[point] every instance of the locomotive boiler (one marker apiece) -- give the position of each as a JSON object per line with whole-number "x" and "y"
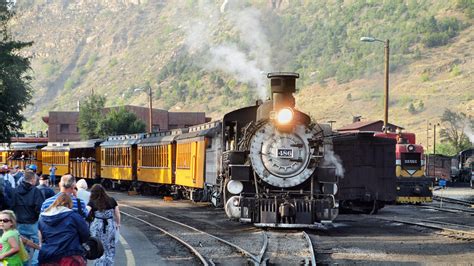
{"x": 275, "y": 164}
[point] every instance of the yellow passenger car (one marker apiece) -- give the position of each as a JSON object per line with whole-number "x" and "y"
{"x": 84, "y": 159}
{"x": 23, "y": 154}
{"x": 155, "y": 158}
{"x": 56, "y": 154}
{"x": 191, "y": 151}
{"x": 3, "y": 154}
{"x": 119, "y": 157}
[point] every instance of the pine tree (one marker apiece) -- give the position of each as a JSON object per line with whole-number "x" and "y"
{"x": 15, "y": 89}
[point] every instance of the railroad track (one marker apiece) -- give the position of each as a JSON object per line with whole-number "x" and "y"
{"x": 457, "y": 231}
{"x": 208, "y": 248}
{"x": 469, "y": 204}
{"x": 280, "y": 247}
{"x": 289, "y": 248}
{"x": 448, "y": 209}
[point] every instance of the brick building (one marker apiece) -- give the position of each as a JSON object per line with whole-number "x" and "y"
{"x": 62, "y": 126}
{"x": 375, "y": 126}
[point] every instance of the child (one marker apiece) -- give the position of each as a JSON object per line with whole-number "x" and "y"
{"x": 10, "y": 239}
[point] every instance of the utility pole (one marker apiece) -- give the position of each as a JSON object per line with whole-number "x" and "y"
{"x": 150, "y": 111}
{"x": 428, "y": 124}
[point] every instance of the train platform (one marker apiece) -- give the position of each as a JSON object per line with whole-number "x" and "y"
{"x": 134, "y": 248}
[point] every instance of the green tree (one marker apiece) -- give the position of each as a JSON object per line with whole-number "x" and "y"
{"x": 91, "y": 116}
{"x": 15, "y": 89}
{"x": 456, "y": 124}
{"x": 120, "y": 121}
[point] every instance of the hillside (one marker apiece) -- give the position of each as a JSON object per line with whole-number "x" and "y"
{"x": 212, "y": 55}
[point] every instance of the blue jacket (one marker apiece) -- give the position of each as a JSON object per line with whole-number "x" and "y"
{"x": 63, "y": 231}
{"x": 26, "y": 202}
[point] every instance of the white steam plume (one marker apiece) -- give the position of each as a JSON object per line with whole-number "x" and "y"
{"x": 469, "y": 133}
{"x": 245, "y": 64}
{"x": 332, "y": 159}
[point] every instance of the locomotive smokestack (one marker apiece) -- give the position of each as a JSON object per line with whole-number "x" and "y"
{"x": 283, "y": 85}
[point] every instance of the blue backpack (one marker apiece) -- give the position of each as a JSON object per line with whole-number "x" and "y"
{"x": 6, "y": 190}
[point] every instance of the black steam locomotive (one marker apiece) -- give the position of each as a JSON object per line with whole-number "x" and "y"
{"x": 275, "y": 163}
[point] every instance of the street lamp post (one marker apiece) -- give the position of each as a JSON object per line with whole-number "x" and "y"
{"x": 387, "y": 57}
{"x": 434, "y": 138}
{"x": 150, "y": 109}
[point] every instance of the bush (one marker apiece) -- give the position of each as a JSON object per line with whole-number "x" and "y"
{"x": 412, "y": 109}
{"x": 425, "y": 77}
{"x": 456, "y": 71}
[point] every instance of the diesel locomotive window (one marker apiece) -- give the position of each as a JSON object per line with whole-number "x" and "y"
{"x": 155, "y": 156}
{"x": 411, "y": 160}
{"x": 183, "y": 156}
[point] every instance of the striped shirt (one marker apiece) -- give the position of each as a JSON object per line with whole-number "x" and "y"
{"x": 49, "y": 201}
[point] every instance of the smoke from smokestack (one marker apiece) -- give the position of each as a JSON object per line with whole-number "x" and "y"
{"x": 246, "y": 60}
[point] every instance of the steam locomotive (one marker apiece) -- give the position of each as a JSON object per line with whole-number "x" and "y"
{"x": 278, "y": 172}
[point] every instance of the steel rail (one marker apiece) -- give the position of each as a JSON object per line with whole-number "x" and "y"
{"x": 311, "y": 249}
{"x": 192, "y": 249}
{"x": 448, "y": 209}
{"x": 456, "y": 201}
{"x": 425, "y": 223}
{"x": 264, "y": 248}
{"x": 243, "y": 251}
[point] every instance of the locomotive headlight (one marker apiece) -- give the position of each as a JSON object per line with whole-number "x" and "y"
{"x": 284, "y": 116}
{"x": 235, "y": 187}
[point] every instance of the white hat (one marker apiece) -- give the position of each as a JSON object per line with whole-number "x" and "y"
{"x": 81, "y": 184}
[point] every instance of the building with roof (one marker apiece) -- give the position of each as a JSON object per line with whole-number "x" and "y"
{"x": 62, "y": 125}
{"x": 375, "y": 126}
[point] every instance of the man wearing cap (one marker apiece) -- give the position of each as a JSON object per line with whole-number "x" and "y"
{"x": 67, "y": 185}
{"x": 17, "y": 174}
{"x": 44, "y": 187}
{"x": 26, "y": 203}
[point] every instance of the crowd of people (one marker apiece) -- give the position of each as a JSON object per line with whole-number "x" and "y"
{"x": 41, "y": 227}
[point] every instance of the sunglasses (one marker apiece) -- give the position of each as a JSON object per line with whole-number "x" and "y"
{"x": 5, "y": 220}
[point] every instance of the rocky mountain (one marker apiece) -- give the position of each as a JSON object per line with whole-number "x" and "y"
{"x": 213, "y": 55}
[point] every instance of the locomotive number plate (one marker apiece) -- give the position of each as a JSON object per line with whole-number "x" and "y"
{"x": 285, "y": 153}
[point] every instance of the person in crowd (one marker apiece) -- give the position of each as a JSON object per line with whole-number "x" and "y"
{"x": 52, "y": 175}
{"x": 26, "y": 203}
{"x": 67, "y": 185}
{"x": 44, "y": 187}
{"x": 6, "y": 188}
{"x": 34, "y": 169}
{"x": 62, "y": 232}
{"x": 10, "y": 240}
{"x": 7, "y": 176}
{"x": 17, "y": 174}
{"x": 106, "y": 220}
{"x": 82, "y": 192}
